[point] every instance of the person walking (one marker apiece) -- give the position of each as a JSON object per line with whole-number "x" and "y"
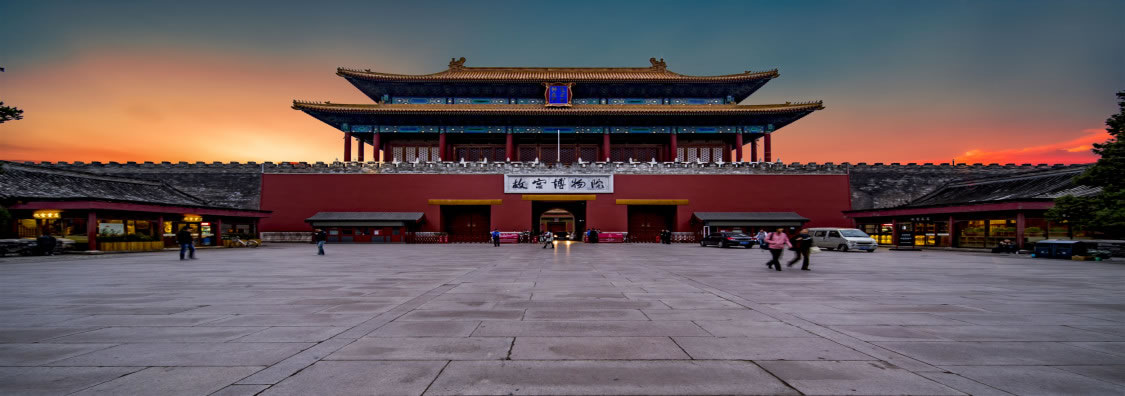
{"x": 777, "y": 242}
{"x": 185, "y": 240}
{"x": 46, "y": 244}
{"x": 762, "y": 238}
{"x": 548, "y": 240}
{"x": 320, "y": 237}
{"x": 594, "y": 236}
{"x": 802, "y": 245}
{"x": 495, "y": 237}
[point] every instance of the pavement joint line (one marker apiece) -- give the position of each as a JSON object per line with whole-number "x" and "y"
{"x": 431, "y": 384}
{"x": 782, "y": 380}
{"x": 858, "y": 345}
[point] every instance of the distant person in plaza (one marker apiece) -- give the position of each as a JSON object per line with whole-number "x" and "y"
{"x": 762, "y": 238}
{"x": 495, "y": 237}
{"x": 46, "y": 244}
{"x": 186, "y": 244}
{"x": 1006, "y": 246}
{"x": 320, "y": 237}
{"x": 802, "y": 245}
{"x": 594, "y": 235}
{"x": 777, "y": 242}
{"x": 548, "y": 240}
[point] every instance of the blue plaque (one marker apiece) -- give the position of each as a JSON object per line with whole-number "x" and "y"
{"x": 558, "y": 94}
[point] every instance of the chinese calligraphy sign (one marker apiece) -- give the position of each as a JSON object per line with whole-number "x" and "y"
{"x": 558, "y": 184}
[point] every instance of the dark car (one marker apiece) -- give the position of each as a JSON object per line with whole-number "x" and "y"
{"x": 728, "y": 239}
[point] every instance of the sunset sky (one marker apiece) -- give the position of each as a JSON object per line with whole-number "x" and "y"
{"x": 902, "y": 81}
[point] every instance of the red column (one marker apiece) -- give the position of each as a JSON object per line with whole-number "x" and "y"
{"x": 92, "y": 230}
{"x": 605, "y": 145}
{"x": 378, "y": 147}
{"x": 672, "y": 147}
{"x": 160, "y": 228}
{"x": 509, "y": 147}
{"x": 738, "y": 147}
{"x": 1021, "y": 223}
{"x": 441, "y": 147}
{"x": 218, "y": 230}
{"x": 347, "y": 146}
{"x": 360, "y": 142}
{"x": 766, "y": 149}
{"x": 754, "y": 150}
{"x": 950, "y": 231}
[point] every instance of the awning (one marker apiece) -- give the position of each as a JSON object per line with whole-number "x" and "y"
{"x": 364, "y": 219}
{"x": 750, "y": 219}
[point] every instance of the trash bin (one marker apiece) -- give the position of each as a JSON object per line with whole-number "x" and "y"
{"x": 1053, "y": 248}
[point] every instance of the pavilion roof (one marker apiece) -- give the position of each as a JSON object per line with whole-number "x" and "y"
{"x": 458, "y": 72}
{"x": 575, "y": 110}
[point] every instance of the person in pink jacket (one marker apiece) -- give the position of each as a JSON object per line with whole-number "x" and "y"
{"x": 777, "y": 241}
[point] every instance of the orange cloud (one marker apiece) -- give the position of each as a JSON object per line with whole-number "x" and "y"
{"x": 172, "y": 106}
{"x": 1076, "y": 150}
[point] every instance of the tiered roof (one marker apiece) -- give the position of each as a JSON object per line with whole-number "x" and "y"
{"x": 458, "y": 72}
{"x": 526, "y": 82}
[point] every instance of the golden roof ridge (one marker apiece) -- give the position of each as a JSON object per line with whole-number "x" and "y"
{"x": 458, "y": 71}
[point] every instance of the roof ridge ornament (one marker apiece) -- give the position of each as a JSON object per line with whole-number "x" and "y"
{"x": 457, "y": 64}
{"x": 658, "y": 64}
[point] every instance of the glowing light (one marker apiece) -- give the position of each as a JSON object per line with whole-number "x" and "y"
{"x": 47, "y": 214}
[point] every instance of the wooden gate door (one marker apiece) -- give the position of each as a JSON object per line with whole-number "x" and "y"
{"x": 646, "y": 222}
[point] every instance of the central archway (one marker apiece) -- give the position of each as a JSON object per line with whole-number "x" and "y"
{"x": 559, "y": 222}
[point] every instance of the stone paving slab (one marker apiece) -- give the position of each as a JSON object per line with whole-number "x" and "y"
{"x": 588, "y": 329}
{"x": 596, "y": 348}
{"x": 604, "y": 378}
{"x": 56, "y": 380}
{"x": 187, "y": 354}
{"x": 172, "y": 381}
{"x": 590, "y": 319}
{"x": 426, "y": 329}
{"x": 425, "y": 348}
{"x": 123, "y": 335}
{"x": 40, "y": 354}
{"x": 854, "y": 378}
{"x": 1000, "y": 353}
{"x": 752, "y": 348}
{"x": 359, "y": 378}
{"x": 1038, "y": 380}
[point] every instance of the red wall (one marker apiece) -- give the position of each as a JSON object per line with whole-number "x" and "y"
{"x": 295, "y": 197}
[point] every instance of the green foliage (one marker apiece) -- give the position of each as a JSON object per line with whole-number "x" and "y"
{"x": 8, "y": 113}
{"x": 1104, "y": 212}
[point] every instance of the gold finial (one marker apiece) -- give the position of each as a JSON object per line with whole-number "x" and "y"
{"x": 658, "y": 64}
{"x": 457, "y": 64}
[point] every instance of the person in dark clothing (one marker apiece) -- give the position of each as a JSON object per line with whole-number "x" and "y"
{"x": 320, "y": 237}
{"x": 185, "y": 240}
{"x": 594, "y": 235}
{"x": 777, "y": 242}
{"x": 495, "y": 237}
{"x": 548, "y": 240}
{"x": 46, "y": 244}
{"x": 1005, "y": 246}
{"x": 802, "y": 245}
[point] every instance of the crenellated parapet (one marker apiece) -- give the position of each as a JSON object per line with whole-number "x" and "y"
{"x": 874, "y": 185}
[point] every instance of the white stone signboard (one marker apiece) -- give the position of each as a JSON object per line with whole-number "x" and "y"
{"x": 558, "y": 184}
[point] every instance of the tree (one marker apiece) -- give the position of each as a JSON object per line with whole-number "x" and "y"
{"x": 8, "y": 113}
{"x": 1104, "y": 212}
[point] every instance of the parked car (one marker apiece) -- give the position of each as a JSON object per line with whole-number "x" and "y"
{"x": 842, "y": 239}
{"x": 728, "y": 239}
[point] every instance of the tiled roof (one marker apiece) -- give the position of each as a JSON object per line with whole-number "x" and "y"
{"x": 658, "y": 72}
{"x": 1031, "y": 186}
{"x": 366, "y": 216}
{"x": 29, "y": 182}
{"x": 749, "y": 216}
{"x": 538, "y": 109}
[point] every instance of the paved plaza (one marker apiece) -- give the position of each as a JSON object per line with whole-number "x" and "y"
{"x": 581, "y": 320}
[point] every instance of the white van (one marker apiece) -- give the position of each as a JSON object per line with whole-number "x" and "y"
{"x": 842, "y": 239}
